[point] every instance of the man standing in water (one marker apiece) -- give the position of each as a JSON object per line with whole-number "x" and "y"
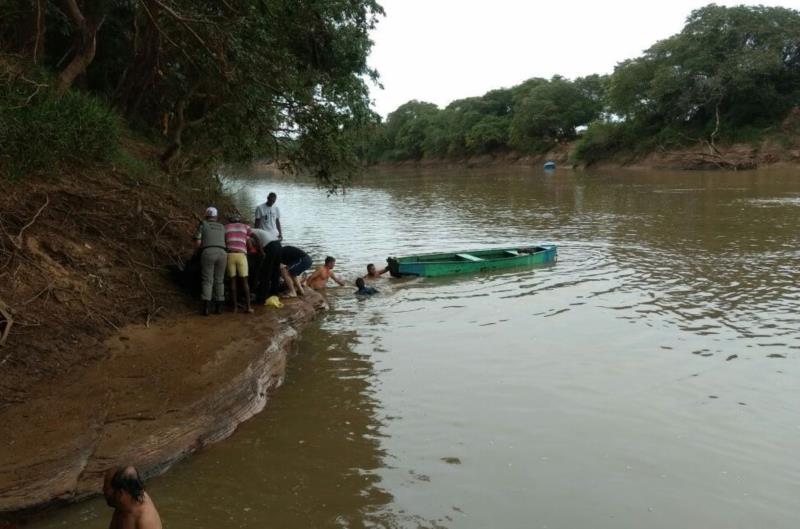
{"x": 133, "y": 508}
{"x": 374, "y": 273}
{"x": 319, "y": 279}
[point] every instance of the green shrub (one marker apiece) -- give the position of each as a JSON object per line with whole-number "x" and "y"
{"x": 42, "y": 131}
{"x": 602, "y": 140}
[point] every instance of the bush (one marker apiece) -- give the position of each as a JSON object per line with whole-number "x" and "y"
{"x": 602, "y": 140}
{"x": 42, "y": 131}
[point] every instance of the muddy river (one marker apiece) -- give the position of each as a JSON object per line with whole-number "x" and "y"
{"x": 651, "y": 378}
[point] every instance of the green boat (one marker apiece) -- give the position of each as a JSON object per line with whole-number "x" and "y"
{"x": 442, "y": 264}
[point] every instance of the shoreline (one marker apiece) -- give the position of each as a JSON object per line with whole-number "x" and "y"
{"x": 159, "y": 394}
{"x": 735, "y": 157}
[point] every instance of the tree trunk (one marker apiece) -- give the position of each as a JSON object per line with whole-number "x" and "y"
{"x": 174, "y": 149}
{"x": 140, "y": 76}
{"x": 27, "y": 29}
{"x": 85, "y": 45}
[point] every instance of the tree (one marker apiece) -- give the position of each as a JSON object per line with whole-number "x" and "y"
{"x": 406, "y": 129}
{"x": 223, "y": 80}
{"x": 729, "y": 66}
{"x": 551, "y": 111}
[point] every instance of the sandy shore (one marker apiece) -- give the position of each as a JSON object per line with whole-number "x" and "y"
{"x": 158, "y": 394}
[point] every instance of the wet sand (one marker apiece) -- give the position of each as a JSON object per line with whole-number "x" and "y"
{"x": 159, "y": 394}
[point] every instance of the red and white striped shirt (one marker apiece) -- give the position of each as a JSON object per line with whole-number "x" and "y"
{"x": 236, "y": 234}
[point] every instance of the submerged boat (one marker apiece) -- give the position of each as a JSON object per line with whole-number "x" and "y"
{"x": 441, "y": 264}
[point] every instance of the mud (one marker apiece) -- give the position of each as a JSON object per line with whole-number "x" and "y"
{"x": 156, "y": 395}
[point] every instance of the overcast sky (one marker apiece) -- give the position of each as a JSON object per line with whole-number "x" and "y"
{"x": 441, "y": 50}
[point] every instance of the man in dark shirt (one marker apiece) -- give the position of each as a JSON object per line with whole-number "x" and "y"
{"x": 294, "y": 262}
{"x": 363, "y": 289}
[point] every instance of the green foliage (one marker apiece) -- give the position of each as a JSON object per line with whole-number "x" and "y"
{"x": 224, "y": 81}
{"x": 602, "y": 140}
{"x": 730, "y": 68}
{"x": 488, "y": 135}
{"x": 527, "y": 117}
{"x": 41, "y": 130}
{"x": 550, "y": 112}
{"x": 732, "y": 74}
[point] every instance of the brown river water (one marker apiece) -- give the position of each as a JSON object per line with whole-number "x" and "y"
{"x": 650, "y": 378}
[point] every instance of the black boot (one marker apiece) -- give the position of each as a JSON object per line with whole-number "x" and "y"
{"x": 206, "y": 308}
{"x": 220, "y": 306}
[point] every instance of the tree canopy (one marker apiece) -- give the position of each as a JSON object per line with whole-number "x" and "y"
{"x": 739, "y": 63}
{"x": 730, "y": 74}
{"x": 528, "y": 117}
{"x": 228, "y": 80}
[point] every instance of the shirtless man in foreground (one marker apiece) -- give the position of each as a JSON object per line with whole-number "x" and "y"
{"x": 319, "y": 279}
{"x": 133, "y": 508}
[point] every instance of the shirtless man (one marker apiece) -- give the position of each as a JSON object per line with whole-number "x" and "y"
{"x": 374, "y": 273}
{"x": 319, "y": 279}
{"x": 133, "y": 508}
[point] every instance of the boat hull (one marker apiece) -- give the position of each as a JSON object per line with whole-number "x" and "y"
{"x": 443, "y": 264}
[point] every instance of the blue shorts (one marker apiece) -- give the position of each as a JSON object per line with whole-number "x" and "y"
{"x": 298, "y": 267}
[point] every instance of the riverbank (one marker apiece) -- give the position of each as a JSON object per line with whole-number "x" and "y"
{"x": 690, "y": 158}
{"x": 103, "y": 356}
{"x": 157, "y": 394}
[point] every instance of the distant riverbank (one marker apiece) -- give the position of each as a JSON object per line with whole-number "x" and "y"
{"x": 690, "y": 158}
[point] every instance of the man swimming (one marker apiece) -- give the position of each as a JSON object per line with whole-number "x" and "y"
{"x": 319, "y": 279}
{"x": 374, "y": 273}
{"x": 363, "y": 289}
{"x": 133, "y": 508}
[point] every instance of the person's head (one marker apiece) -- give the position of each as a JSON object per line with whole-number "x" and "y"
{"x": 271, "y": 198}
{"x": 211, "y": 213}
{"x": 330, "y": 262}
{"x": 371, "y": 269}
{"x": 360, "y": 282}
{"x": 234, "y": 217}
{"x": 123, "y": 486}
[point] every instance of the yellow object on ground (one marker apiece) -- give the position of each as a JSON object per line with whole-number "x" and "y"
{"x": 273, "y": 301}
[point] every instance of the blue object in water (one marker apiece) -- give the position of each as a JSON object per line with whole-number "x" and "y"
{"x": 549, "y": 166}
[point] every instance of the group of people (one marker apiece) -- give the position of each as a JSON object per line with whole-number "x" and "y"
{"x": 256, "y": 262}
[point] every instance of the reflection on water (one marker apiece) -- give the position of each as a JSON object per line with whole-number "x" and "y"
{"x": 649, "y": 379}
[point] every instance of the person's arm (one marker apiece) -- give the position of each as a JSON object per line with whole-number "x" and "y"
{"x": 198, "y": 237}
{"x": 278, "y": 225}
{"x": 253, "y": 242}
{"x": 383, "y": 270}
{"x": 336, "y": 278}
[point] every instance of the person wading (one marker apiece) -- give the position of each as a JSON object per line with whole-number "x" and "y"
{"x": 123, "y": 489}
{"x": 319, "y": 279}
{"x": 375, "y": 273}
{"x": 210, "y": 239}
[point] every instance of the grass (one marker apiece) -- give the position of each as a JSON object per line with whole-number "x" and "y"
{"x": 42, "y": 131}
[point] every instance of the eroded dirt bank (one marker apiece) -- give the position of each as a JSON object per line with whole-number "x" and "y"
{"x": 690, "y": 158}
{"x": 157, "y": 394}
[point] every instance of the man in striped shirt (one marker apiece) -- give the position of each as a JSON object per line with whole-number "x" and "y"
{"x": 236, "y": 235}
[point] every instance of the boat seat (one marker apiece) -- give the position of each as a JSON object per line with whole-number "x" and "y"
{"x": 512, "y": 252}
{"x": 468, "y": 257}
